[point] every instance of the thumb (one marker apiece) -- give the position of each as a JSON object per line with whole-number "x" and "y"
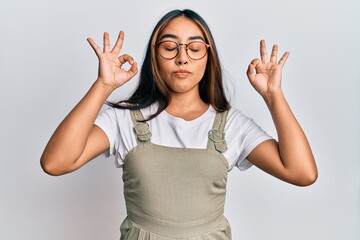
{"x": 251, "y": 72}
{"x": 251, "y": 69}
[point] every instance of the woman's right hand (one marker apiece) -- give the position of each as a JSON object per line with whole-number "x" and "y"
{"x": 111, "y": 73}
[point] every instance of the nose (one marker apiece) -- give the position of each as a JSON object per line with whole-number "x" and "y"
{"x": 182, "y": 57}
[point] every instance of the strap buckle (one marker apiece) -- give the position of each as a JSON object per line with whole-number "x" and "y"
{"x": 216, "y": 135}
{"x": 142, "y": 131}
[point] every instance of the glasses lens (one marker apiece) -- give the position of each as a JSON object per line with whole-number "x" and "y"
{"x": 197, "y": 50}
{"x": 168, "y": 49}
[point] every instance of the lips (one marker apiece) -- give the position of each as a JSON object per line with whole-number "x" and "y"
{"x": 181, "y": 73}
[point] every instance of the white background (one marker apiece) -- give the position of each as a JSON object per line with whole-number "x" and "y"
{"x": 46, "y": 66}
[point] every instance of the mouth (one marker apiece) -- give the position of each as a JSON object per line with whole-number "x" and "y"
{"x": 182, "y": 73}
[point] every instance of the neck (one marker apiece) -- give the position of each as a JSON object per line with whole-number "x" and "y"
{"x": 186, "y": 106}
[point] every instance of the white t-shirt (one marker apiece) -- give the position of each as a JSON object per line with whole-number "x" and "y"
{"x": 242, "y": 134}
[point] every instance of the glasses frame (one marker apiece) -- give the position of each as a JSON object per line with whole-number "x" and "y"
{"x": 186, "y": 48}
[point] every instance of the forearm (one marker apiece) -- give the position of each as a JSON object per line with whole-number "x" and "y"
{"x": 69, "y": 139}
{"x": 294, "y": 149}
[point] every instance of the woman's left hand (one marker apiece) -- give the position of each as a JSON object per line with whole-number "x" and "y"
{"x": 291, "y": 158}
{"x": 265, "y": 75}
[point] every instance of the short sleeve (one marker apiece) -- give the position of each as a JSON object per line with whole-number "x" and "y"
{"x": 243, "y": 135}
{"x": 254, "y": 135}
{"x": 107, "y": 121}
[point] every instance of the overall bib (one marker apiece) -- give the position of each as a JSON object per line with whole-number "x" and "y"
{"x": 175, "y": 193}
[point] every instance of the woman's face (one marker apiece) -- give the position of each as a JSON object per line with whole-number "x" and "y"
{"x": 181, "y": 74}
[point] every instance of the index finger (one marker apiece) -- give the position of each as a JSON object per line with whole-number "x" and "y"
{"x": 283, "y": 59}
{"x": 263, "y": 53}
{"x": 119, "y": 42}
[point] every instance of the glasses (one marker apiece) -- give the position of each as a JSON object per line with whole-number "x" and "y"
{"x": 196, "y": 50}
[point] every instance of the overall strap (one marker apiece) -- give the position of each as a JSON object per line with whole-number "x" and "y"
{"x": 217, "y": 135}
{"x": 141, "y": 129}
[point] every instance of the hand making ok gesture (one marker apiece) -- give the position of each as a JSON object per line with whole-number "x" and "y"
{"x": 111, "y": 72}
{"x": 267, "y": 76}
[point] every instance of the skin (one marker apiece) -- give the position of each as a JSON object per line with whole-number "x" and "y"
{"x": 290, "y": 159}
{"x": 77, "y": 140}
{"x": 185, "y": 99}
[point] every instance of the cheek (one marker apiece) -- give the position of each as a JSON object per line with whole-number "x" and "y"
{"x": 202, "y": 67}
{"x": 163, "y": 66}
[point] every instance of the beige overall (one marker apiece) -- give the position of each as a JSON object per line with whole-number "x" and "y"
{"x": 175, "y": 193}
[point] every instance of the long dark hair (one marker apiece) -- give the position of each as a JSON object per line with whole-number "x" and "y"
{"x": 151, "y": 87}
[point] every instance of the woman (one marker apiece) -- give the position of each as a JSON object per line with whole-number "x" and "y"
{"x": 177, "y": 137}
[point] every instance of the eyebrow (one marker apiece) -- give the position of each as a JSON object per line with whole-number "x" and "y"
{"x": 175, "y": 37}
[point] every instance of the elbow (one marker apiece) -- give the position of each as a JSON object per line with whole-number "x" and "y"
{"x": 304, "y": 175}
{"x": 49, "y": 167}
{"x": 50, "y": 171}
{"x": 311, "y": 175}
{"x": 307, "y": 179}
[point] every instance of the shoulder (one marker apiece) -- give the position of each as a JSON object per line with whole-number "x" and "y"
{"x": 239, "y": 124}
{"x": 113, "y": 111}
{"x": 235, "y": 116}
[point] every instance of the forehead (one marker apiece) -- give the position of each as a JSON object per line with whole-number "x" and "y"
{"x": 182, "y": 28}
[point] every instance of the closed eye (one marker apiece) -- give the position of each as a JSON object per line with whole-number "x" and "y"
{"x": 171, "y": 49}
{"x": 194, "y": 50}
